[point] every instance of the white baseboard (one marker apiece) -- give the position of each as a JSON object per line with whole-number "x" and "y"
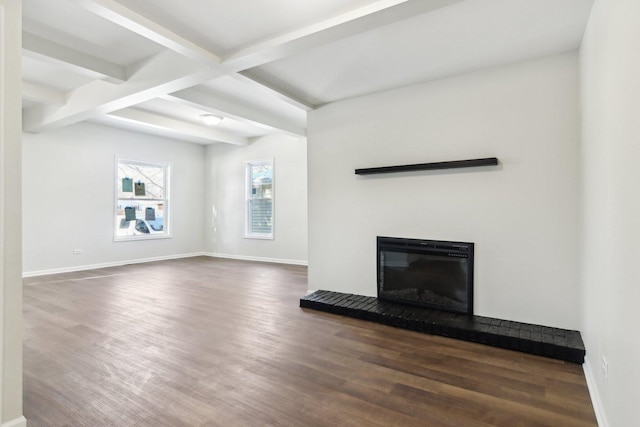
{"x": 596, "y": 400}
{"x": 109, "y": 264}
{"x": 259, "y": 259}
{"x": 160, "y": 258}
{"x": 18, "y": 422}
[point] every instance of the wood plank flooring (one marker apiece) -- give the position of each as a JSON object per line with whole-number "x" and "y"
{"x": 213, "y": 342}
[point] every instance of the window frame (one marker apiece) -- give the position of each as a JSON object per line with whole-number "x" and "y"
{"x": 248, "y": 233}
{"x": 166, "y": 216}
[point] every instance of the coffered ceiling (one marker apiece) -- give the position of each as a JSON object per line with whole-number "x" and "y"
{"x": 157, "y": 65}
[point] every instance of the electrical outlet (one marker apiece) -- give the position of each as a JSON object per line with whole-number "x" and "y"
{"x": 605, "y": 367}
{"x": 77, "y": 251}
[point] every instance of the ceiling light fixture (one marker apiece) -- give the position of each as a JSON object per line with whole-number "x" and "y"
{"x": 210, "y": 119}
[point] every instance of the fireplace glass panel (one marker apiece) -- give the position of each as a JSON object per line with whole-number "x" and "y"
{"x": 432, "y": 275}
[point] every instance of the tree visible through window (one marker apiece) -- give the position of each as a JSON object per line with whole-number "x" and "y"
{"x": 259, "y": 207}
{"x": 142, "y": 200}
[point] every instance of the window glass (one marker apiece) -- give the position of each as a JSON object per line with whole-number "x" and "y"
{"x": 259, "y": 215}
{"x": 142, "y": 200}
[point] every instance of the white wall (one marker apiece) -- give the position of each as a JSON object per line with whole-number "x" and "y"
{"x": 225, "y": 199}
{"x": 521, "y": 215}
{"x": 10, "y": 215}
{"x": 610, "y": 88}
{"x": 68, "y": 196}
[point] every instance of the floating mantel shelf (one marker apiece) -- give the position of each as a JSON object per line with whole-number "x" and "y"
{"x": 489, "y": 161}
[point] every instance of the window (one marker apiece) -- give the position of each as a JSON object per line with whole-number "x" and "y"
{"x": 142, "y": 200}
{"x": 259, "y": 200}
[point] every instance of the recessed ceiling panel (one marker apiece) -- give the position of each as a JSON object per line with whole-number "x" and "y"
{"x": 464, "y": 37}
{"x": 192, "y": 115}
{"x": 51, "y": 76}
{"x": 68, "y": 24}
{"x": 231, "y": 88}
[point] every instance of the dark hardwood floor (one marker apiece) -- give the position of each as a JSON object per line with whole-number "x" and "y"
{"x": 213, "y": 342}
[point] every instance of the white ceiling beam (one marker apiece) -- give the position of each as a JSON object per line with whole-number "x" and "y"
{"x": 195, "y": 98}
{"x": 41, "y": 49}
{"x": 133, "y": 21}
{"x": 42, "y": 95}
{"x": 178, "y": 128}
{"x": 375, "y": 15}
{"x": 164, "y": 73}
{"x": 126, "y": 18}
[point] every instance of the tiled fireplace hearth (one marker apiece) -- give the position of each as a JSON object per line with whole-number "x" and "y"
{"x": 556, "y": 343}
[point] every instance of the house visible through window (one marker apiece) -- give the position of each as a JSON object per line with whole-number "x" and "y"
{"x": 259, "y": 200}
{"x": 142, "y": 200}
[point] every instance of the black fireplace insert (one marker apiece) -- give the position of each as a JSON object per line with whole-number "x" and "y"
{"x": 429, "y": 273}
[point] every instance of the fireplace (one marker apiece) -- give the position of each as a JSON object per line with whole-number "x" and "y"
{"x": 429, "y": 273}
